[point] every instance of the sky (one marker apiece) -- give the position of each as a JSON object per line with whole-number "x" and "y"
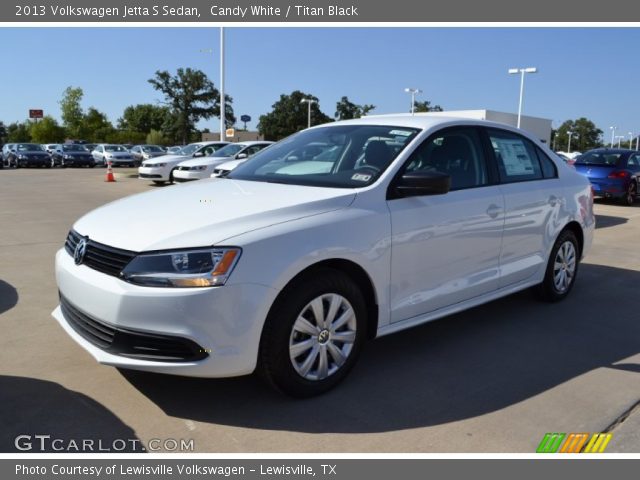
{"x": 582, "y": 72}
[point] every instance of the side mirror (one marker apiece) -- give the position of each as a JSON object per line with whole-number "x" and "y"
{"x": 240, "y": 156}
{"x": 198, "y": 154}
{"x": 415, "y": 184}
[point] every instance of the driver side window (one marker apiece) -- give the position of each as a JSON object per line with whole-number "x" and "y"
{"x": 456, "y": 152}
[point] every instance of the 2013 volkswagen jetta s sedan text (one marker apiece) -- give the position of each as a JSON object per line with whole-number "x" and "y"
{"x": 290, "y": 263}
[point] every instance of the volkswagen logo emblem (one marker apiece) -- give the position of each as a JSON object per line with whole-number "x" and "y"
{"x": 79, "y": 252}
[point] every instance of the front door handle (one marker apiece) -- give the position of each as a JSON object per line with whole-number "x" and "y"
{"x": 493, "y": 210}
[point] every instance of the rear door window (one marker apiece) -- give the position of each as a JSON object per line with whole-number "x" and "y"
{"x": 516, "y": 157}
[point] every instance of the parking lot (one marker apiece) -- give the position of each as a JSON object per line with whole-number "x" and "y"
{"x": 493, "y": 379}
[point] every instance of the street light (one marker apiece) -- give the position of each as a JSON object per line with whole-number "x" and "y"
{"x": 309, "y": 101}
{"x": 521, "y": 71}
{"x": 570, "y": 133}
{"x": 413, "y": 92}
{"x": 613, "y": 132}
{"x": 223, "y": 107}
{"x": 630, "y": 140}
{"x": 619, "y": 138}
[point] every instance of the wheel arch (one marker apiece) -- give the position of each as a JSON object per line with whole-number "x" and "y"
{"x": 355, "y": 272}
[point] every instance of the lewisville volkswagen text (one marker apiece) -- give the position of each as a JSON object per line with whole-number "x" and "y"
{"x": 334, "y": 235}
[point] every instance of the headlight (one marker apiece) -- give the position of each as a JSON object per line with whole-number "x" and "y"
{"x": 199, "y": 167}
{"x": 157, "y": 165}
{"x": 67, "y": 157}
{"x": 189, "y": 268}
{"x": 22, "y": 156}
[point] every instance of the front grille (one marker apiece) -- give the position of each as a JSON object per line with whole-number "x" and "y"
{"x": 149, "y": 175}
{"x": 100, "y": 257}
{"x": 130, "y": 343}
{"x": 96, "y": 332}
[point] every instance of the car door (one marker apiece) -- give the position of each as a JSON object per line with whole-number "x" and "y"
{"x": 533, "y": 201}
{"x": 446, "y": 248}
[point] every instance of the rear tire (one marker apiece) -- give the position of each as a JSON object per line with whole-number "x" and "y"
{"x": 630, "y": 197}
{"x": 313, "y": 334}
{"x": 562, "y": 268}
{"x": 159, "y": 182}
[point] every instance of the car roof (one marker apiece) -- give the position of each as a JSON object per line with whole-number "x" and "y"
{"x": 424, "y": 121}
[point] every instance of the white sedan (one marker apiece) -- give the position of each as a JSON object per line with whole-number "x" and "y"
{"x": 199, "y": 168}
{"x": 290, "y": 270}
{"x": 161, "y": 169}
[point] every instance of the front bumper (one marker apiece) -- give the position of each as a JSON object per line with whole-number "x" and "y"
{"x": 226, "y": 322}
{"x": 188, "y": 175}
{"x": 154, "y": 173}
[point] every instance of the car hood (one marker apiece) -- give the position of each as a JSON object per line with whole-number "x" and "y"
{"x": 77, "y": 154}
{"x": 33, "y": 153}
{"x": 204, "y": 161}
{"x": 166, "y": 159}
{"x": 204, "y": 213}
{"x": 232, "y": 164}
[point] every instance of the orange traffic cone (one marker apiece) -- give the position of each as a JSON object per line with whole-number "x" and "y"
{"x": 110, "y": 177}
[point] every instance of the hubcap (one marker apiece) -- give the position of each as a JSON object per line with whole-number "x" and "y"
{"x": 564, "y": 267}
{"x": 322, "y": 336}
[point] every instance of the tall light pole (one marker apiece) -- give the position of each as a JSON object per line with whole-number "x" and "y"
{"x": 637, "y": 142}
{"x": 630, "y": 140}
{"x": 309, "y": 101}
{"x": 521, "y": 71}
{"x": 413, "y": 92}
{"x": 570, "y": 133}
{"x": 619, "y": 138}
{"x": 223, "y": 107}
{"x": 613, "y": 133}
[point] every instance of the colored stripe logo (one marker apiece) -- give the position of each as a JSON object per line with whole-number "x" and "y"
{"x": 574, "y": 443}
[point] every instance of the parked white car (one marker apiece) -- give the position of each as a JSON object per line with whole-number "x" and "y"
{"x": 161, "y": 170}
{"x": 118, "y": 155}
{"x": 199, "y": 168}
{"x": 289, "y": 273}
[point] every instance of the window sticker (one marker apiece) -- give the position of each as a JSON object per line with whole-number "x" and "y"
{"x": 361, "y": 177}
{"x": 400, "y": 133}
{"x": 514, "y": 155}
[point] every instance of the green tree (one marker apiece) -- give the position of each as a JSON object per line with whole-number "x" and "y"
{"x": 420, "y": 107}
{"x": 585, "y": 135}
{"x": 191, "y": 97}
{"x": 346, "y": 110}
{"x": 72, "y": 114}
{"x": 3, "y": 133}
{"x": 47, "y": 130}
{"x": 19, "y": 132}
{"x": 289, "y": 115}
{"x": 95, "y": 126}
{"x": 143, "y": 118}
{"x": 156, "y": 137}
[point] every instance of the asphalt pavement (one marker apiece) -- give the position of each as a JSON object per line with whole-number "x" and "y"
{"x": 493, "y": 379}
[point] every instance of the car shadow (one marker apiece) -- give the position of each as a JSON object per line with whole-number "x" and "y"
{"x": 469, "y": 364}
{"x": 33, "y": 407}
{"x": 8, "y": 296}
{"x": 606, "y": 221}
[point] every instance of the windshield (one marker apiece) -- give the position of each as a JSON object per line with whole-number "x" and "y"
{"x": 189, "y": 149}
{"x": 28, "y": 147}
{"x": 228, "y": 150}
{"x": 152, "y": 148}
{"x": 115, "y": 148}
{"x": 349, "y": 156}
{"x": 73, "y": 148}
{"x": 599, "y": 158}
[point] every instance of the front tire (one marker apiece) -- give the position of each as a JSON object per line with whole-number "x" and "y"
{"x": 562, "y": 268}
{"x": 313, "y": 334}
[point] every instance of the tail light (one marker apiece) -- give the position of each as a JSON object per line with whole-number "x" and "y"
{"x": 619, "y": 174}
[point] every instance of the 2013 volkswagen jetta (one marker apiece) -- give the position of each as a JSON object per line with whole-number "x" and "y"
{"x": 302, "y": 253}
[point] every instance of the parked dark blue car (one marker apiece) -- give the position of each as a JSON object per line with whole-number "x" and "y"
{"x": 613, "y": 172}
